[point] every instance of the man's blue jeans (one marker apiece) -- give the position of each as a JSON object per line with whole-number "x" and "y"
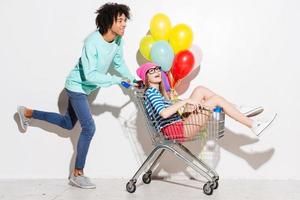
{"x": 78, "y": 109}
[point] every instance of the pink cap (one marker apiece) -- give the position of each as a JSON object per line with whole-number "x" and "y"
{"x": 142, "y": 70}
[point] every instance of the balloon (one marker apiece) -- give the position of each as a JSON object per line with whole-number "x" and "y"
{"x": 181, "y": 37}
{"x": 182, "y": 65}
{"x": 160, "y": 27}
{"x": 166, "y": 81}
{"x": 146, "y": 45}
{"x": 162, "y": 54}
{"x": 198, "y": 54}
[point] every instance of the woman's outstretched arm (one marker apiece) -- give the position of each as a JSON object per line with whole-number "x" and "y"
{"x": 169, "y": 111}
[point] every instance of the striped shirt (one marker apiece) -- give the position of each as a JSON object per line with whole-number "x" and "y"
{"x": 155, "y": 103}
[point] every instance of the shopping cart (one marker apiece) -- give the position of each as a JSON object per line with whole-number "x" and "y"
{"x": 210, "y": 127}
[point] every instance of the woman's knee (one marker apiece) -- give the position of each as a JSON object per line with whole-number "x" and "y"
{"x": 205, "y": 91}
{"x": 213, "y": 101}
{"x": 200, "y": 88}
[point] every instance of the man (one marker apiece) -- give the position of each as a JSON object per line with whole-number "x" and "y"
{"x": 102, "y": 49}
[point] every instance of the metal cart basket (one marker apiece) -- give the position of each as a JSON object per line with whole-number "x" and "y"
{"x": 208, "y": 124}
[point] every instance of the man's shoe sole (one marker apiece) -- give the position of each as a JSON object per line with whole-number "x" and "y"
{"x": 77, "y": 185}
{"x": 20, "y": 117}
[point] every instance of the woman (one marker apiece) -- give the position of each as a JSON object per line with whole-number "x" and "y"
{"x": 101, "y": 49}
{"x": 165, "y": 114}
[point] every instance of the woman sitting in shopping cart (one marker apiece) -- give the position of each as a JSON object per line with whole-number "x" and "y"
{"x": 166, "y": 116}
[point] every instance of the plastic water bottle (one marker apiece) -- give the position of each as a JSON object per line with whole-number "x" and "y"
{"x": 219, "y": 116}
{"x": 125, "y": 84}
{"x": 217, "y": 112}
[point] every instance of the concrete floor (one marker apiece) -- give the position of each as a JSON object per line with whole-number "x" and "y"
{"x": 158, "y": 189}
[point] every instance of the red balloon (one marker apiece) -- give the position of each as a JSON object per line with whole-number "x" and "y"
{"x": 182, "y": 65}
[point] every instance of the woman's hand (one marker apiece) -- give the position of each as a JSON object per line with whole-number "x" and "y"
{"x": 190, "y": 105}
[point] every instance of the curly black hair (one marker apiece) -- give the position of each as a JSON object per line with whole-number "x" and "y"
{"x": 108, "y": 13}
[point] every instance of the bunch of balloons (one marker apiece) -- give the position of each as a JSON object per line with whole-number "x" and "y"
{"x": 168, "y": 47}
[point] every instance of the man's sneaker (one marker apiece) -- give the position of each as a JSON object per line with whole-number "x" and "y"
{"x": 24, "y": 121}
{"x": 259, "y": 126}
{"x": 250, "y": 111}
{"x": 82, "y": 182}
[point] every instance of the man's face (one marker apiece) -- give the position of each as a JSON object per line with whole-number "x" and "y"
{"x": 119, "y": 25}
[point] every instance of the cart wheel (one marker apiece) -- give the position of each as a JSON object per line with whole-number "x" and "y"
{"x": 215, "y": 178}
{"x": 215, "y": 184}
{"x": 207, "y": 188}
{"x": 147, "y": 178}
{"x": 130, "y": 187}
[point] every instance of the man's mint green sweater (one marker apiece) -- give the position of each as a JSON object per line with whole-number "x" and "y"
{"x": 97, "y": 56}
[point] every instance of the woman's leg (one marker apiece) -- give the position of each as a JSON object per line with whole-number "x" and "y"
{"x": 201, "y": 94}
{"x": 194, "y": 120}
{"x": 229, "y": 109}
{"x": 208, "y": 98}
{"x": 193, "y": 123}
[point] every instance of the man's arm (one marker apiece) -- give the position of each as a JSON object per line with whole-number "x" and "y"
{"x": 88, "y": 71}
{"x": 119, "y": 63}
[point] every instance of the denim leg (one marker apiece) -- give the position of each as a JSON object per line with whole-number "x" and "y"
{"x": 78, "y": 109}
{"x": 66, "y": 121}
{"x": 82, "y": 109}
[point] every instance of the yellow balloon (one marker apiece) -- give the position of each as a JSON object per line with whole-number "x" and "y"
{"x": 160, "y": 27}
{"x": 181, "y": 37}
{"x": 146, "y": 45}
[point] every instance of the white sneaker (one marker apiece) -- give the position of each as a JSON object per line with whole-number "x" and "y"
{"x": 24, "y": 121}
{"x": 250, "y": 111}
{"x": 82, "y": 182}
{"x": 259, "y": 126}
